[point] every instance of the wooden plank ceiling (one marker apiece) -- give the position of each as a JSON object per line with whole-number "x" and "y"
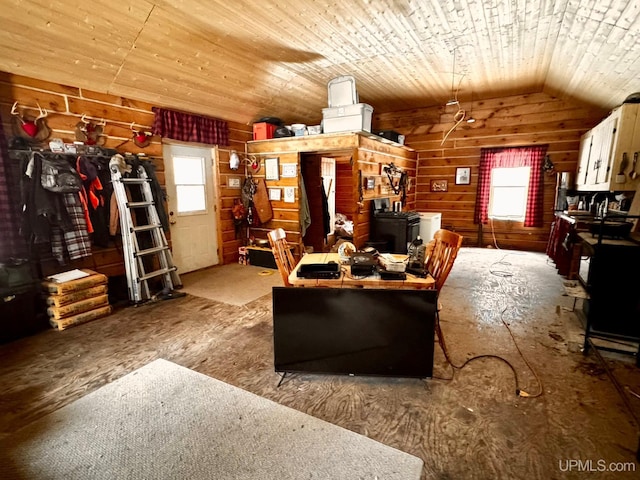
{"x": 244, "y": 59}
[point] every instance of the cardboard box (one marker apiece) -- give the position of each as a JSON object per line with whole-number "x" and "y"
{"x": 83, "y": 317}
{"x": 77, "y": 307}
{"x": 64, "y": 288}
{"x": 263, "y": 130}
{"x": 349, "y": 118}
{"x": 60, "y": 300}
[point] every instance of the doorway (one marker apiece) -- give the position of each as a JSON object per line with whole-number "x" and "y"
{"x": 319, "y": 176}
{"x": 192, "y": 205}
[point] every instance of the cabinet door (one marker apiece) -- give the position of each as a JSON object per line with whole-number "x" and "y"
{"x": 583, "y": 161}
{"x": 595, "y": 158}
{"x": 607, "y": 141}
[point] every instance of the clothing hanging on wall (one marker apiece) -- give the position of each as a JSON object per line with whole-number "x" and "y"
{"x": 53, "y": 214}
{"x": 12, "y": 245}
{"x": 305, "y": 212}
{"x": 326, "y": 217}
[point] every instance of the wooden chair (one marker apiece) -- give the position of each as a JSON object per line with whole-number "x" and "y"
{"x": 441, "y": 253}
{"x": 282, "y": 253}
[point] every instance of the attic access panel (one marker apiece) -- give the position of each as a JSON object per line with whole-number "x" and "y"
{"x": 342, "y": 91}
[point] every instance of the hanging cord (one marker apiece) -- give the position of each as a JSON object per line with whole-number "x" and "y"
{"x": 493, "y": 234}
{"x": 458, "y": 117}
{"x": 441, "y": 341}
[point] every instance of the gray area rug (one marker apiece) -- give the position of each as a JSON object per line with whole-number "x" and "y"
{"x": 232, "y": 283}
{"x": 164, "y": 421}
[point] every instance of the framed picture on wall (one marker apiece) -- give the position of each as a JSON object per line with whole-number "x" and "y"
{"x": 439, "y": 185}
{"x": 463, "y": 176}
{"x": 289, "y": 194}
{"x": 370, "y": 183}
{"x": 272, "y": 169}
{"x": 289, "y": 170}
{"x": 275, "y": 194}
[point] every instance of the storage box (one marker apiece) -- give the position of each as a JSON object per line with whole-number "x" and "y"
{"x": 341, "y": 91}
{"x": 64, "y": 323}
{"x": 261, "y": 257}
{"x": 263, "y": 130}
{"x": 20, "y": 313}
{"x": 75, "y": 308}
{"x": 64, "y": 288}
{"x": 391, "y": 135}
{"x": 349, "y": 118}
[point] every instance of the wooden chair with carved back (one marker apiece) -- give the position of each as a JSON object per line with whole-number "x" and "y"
{"x": 440, "y": 255}
{"x": 282, "y": 253}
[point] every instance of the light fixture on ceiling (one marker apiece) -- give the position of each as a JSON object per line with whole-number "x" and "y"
{"x": 453, "y": 100}
{"x": 471, "y": 119}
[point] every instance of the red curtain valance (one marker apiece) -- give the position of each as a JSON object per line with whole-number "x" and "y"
{"x": 189, "y": 128}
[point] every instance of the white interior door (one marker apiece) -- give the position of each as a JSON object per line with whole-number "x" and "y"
{"x": 192, "y": 209}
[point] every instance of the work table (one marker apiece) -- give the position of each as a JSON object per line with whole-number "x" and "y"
{"x": 346, "y": 280}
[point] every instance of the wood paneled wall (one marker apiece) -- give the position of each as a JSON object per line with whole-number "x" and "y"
{"x": 67, "y": 105}
{"x": 519, "y": 120}
{"x": 357, "y": 156}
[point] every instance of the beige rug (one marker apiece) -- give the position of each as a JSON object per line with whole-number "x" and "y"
{"x": 164, "y": 421}
{"x": 233, "y": 283}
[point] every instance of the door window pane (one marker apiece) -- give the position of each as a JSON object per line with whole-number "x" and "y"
{"x": 191, "y": 198}
{"x": 190, "y": 181}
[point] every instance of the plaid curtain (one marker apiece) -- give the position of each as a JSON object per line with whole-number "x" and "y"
{"x": 532, "y": 157}
{"x": 189, "y": 128}
{"x": 12, "y": 244}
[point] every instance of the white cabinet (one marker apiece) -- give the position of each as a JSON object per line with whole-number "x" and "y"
{"x": 602, "y": 149}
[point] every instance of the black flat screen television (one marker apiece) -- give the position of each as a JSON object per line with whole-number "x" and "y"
{"x": 354, "y": 331}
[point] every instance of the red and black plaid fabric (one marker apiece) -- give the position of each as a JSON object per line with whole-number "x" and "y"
{"x": 189, "y": 128}
{"x": 74, "y": 243}
{"x": 12, "y": 244}
{"x": 532, "y": 157}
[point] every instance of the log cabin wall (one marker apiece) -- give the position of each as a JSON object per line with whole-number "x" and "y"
{"x": 66, "y": 106}
{"x": 518, "y": 120}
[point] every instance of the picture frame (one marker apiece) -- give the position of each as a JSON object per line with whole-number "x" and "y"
{"x": 234, "y": 182}
{"x": 275, "y": 194}
{"x": 439, "y": 185}
{"x": 289, "y": 170}
{"x": 271, "y": 168}
{"x": 289, "y": 194}
{"x": 463, "y": 176}
{"x": 370, "y": 183}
